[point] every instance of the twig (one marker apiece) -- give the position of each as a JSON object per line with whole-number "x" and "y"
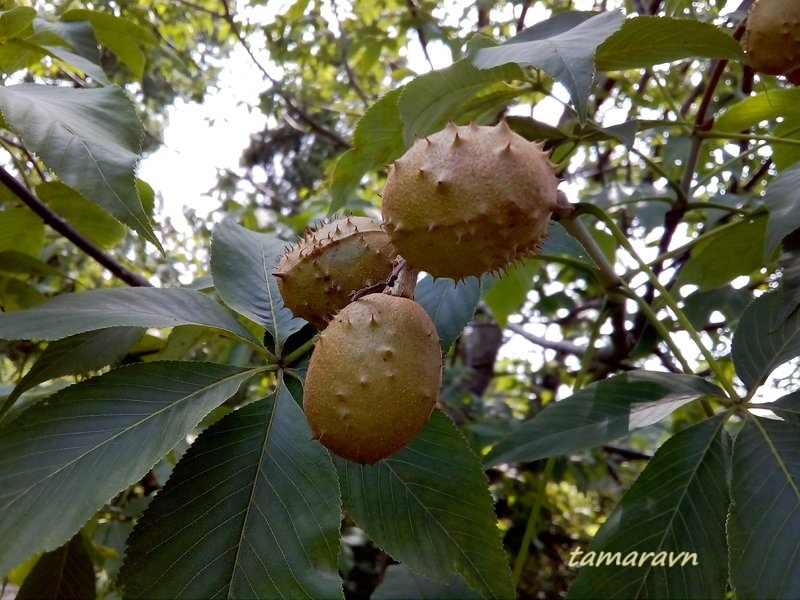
{"x": 558, "y": 346}
{"x": 759, "y": 174}
{"x": 28, "y": 154}
{"x": 423, "y": 39}
{"x": 675, "y": 215}
{"x": 301, "y": 114}
{"x": 526, "y": 4}
{"x": 61, "y": 226}
{"x": 194, "y": 6}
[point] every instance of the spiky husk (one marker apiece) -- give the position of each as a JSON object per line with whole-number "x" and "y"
{"x": 469, "y": 200}
{"x": 772, "y": 38}
{"x": 317, "y": 275}
{"x": 373, "y": 378}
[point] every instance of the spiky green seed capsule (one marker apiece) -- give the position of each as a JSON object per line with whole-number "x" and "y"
{"x": 317, "y": 275}
{"x": 469, "y": 200}
{"x": 772, "y": 38}
{"x": 373, "y": 378}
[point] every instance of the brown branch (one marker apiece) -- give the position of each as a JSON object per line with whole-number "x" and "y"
{"x": 351, "y": 77}
{"x": 526, "y": 4}
{"x": 68, "y": 231}
{"x": 558, "y": 346}
{"x": 758, "y": 176}
{"x": 28, "y": 154}
{"x": 423, "y": 38}
{"x": 675, "y": 215}
{"x": 197, "y": 7}
{"x": 626, "y": 453}
{"x": 300, "y": 112}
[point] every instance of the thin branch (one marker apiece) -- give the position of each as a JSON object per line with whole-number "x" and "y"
{"x": 200, "y": 8}
{"x": 627, "y": 453}
{"x": 675, "y": 215}
{"x": 351, "y": 77}
{"x": 69, "y": 232}
{"x": 300, "y": 112}
{"x": 28, "y": 154}
{"x": 758, "y": 176}
{"x": 423, "y": 38}
{"x": 565, "y": 347}
{"x": 526, "y": 4}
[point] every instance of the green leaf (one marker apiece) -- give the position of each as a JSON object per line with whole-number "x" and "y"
{"x": 764, "y": 517}
{"x": 762, "y": 106}
{"x": 709, "y": 265}
{"x": 15, "y": 21}
{"x": 126, "y": 39}
{"x": 66, "y": 573}
{"x": 77, "y": 36}
{"x": 17, "y": 295}
{"x": 12, "y": 261}
{"x": 786, "y": 149}
{"x": 15, "y": 56}
{"x": 73, "y": 45}
{"x": 242, "y": 264}
{"x": 431, "y": 99}
{"x": 89, "y": 137}
{"x": 21, "y": 231}
{"x": 558, "y": 245}
{"x": 568, "y": 57}
{"x": 251, "y": 511}
{"x": 401, "y": 582}
{"x": 451, "y": 305}
{"x": 428, "y": 507}
{"x": 559, "y": 23}
{"x": 787, "y": 407}
{"x": 86, "y": 217}
{"x": 377, "y": 140}
{"x": 731, "y": 302}
{"x": 505, "y": 295}
{"x": 508, "y": 293}
{"x": 534, "y": 130}
{"x": 69, "y": 455}
{"x": 74, "y": 61}
{"x": 782, "y": 199}
{"x": 675, "y": 510}
{"x": 646, "y": 41}
{"x": 600, "y": 413}
{"x": 69, "y": 314}
{"x": 79, "y": 354}
{"x": 764, "y": 340}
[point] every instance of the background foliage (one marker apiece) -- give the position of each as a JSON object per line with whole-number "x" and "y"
{"x": 607, "y": 395}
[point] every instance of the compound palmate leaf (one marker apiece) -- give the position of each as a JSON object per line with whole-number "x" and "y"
{"x": 600, "y": 413}
{"x": 70, "y": 314}
{"x": 89, "y": 137}
{"x": 62, "y": 459}
{"x": 765, "y": 512}
{"x": 666, "y": 537}
{"x": 428, "y": 507}
{"x": 243, "y": 265}
{"x": 251, "y": 511}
